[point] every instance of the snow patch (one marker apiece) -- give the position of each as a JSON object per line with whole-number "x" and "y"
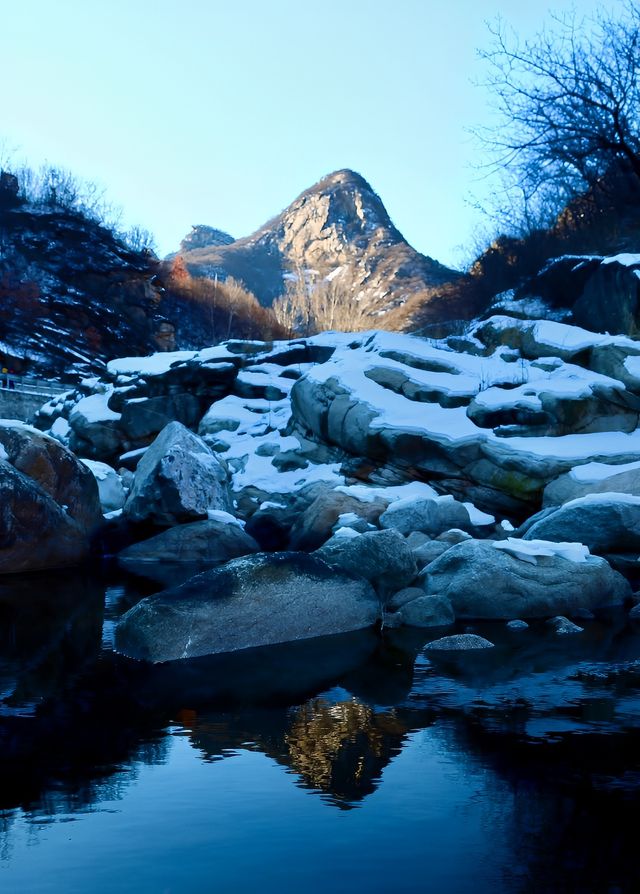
{"x": 530, "y": 550}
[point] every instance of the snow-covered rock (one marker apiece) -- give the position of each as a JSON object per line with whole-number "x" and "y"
{"x": 110, "y": 487}
{"x": 593, "y": 478}
{"x": 604, "y": 522}
{"x": 485, "y": 579}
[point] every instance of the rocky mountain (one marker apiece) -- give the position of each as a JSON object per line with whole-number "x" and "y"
{"x": 73, "y": 294}
{"x": 339, "y": 227}
{"x": 202, "y": 236}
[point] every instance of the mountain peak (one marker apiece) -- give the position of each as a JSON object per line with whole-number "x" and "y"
{"x": 338, "y": 225}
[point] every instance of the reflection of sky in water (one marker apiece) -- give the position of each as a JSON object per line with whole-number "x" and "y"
{"x": 240, "y": 823}
{"x": 374, "y": 769}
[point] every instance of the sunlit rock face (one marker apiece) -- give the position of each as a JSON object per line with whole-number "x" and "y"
{"x": 337, "y": 227}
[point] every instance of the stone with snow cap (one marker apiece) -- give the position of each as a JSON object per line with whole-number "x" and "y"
{"x": 177, "y": 480}
{"x": 605, "y": 522}
{"x": 110, "y": 487}
{"x": 523, "y": 579}
{"x": 593, "y": 478}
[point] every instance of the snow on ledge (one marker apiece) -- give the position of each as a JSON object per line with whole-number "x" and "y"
{"x": 226, "y": 518}
{"x": 603, "y": 497}
{"x": 529, "y": 550}
{"x": 590, "y": 473}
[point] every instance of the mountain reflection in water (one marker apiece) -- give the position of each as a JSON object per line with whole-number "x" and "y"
{"x": 515, "y": 770}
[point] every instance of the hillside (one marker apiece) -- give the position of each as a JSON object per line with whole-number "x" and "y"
{"x": 338, "y": 227}
{"x": 73, "y": 294}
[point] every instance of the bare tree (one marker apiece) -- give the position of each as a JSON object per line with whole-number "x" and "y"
{"x": 310, "y": 305}
{"x": 568, "y": 105}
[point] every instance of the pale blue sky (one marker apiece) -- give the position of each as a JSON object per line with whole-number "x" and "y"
{"x": 222, "y": 112}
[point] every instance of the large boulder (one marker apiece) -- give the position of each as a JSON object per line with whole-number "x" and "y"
{"x": 55, "y": 469}
{"x": 36, "y": 532}
{"x": 95, "y": 427}
{"x": 211, "y": 541}
{"x": 178, "y": 479}
{"x": 523, "y": 579}
{"x": 382, "y": 557}
{"x": 429, "y": 516}
{"x": 605, "y": 522}
{"x": 314, "y": 526}
{"x": 253, "y": 601}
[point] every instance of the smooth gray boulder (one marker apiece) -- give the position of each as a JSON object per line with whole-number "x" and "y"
{"x": 252, "y": 601}
{"x": 407, "y": 594}
{"x": 177, "y": 480}
{"x": 429, "y": 552}
{"x": 427, "y": 515}
{"x": 606, "y": 523}
{"x": 459, "y": 642}
{"x": 427, "y": 611}
{"x": 521, "y": 579}
{"x": 211, "y": 541}
{"x": 382, "y": 557}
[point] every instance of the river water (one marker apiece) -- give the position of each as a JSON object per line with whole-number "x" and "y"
{"x": 353, "y": 763}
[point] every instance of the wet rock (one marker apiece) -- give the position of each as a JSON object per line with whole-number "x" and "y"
{"x": 253, "y": 601}
{"x": 427, "y": 611}
{"x": 177, "y": 480}
{"x": 517, "y": 624}
{"x": 563, "y": 626}
{"x": 459, "y": 642}
{"x": 407, "y": 594}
